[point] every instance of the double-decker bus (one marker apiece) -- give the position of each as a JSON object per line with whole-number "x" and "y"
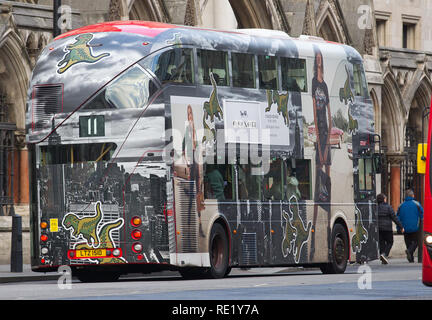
{"x": 156, "y": 146}
{"x": 424, "y": 167}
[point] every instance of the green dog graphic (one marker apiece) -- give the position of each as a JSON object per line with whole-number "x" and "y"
{"x": 79, "y": 52}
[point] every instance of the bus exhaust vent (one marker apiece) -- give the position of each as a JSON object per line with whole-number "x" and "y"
{"x": 249, "y": 249}
{"x": 188, "y": 216}
{"x": 46, "y": 101}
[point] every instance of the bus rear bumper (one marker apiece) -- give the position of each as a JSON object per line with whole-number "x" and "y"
{"x": 427, "y": 267}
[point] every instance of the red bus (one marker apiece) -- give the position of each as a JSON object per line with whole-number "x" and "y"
{"x": 423, "y": 164}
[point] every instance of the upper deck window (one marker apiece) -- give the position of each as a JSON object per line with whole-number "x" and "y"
{"x": 175, "y": 65}
{"x": 294, "y": 74}
{"x": 243, "y": 70}
{"x": 268, "y": 72}
{"x": 360, "y": 85}
{"x": 132, "y": 89}
{"x": 215, "y": 62}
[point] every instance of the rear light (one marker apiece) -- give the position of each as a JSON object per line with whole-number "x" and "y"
{"x": 137, "y": 247}
{"x": 136, "y": 221}
{"x": 428, "y": 239}
{"x": 43, "y": 237}
{"x": 136, "y": 234}
{"x": 43, "y": 225}
{"x": 116, "y": 252}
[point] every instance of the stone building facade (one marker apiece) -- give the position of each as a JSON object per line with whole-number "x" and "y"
{"x": 394, "y": 41}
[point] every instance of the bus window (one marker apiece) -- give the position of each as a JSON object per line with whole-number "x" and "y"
{"x": 291, "y": 183}
{"x": 243, "y": 70}
{"x": 273, "y": 181}
{"x": 303, "y": 175}
{"x": 175, "y": 65}
{"x": 129, "y": 90}
{"x": 294, "y": 75}
{"x": 213, "y": 62}
{"x": 360, "y": 84}
{"x": 249, "y": 185}
{"x": 268, "y": 72}
{"x": 76, "y": 153}
{"x": 218, "y": 182}
{"x": 365, "y": 171}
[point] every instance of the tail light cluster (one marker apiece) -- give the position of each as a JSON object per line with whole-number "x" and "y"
{"x": 43, "y": 240}
{"x": 136, "y": 235}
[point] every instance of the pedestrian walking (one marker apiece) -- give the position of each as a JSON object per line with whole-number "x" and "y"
{"x": 410, "y": 213}
{"x": 386, "y": 216}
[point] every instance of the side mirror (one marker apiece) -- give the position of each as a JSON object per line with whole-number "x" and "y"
{"x": 378, "y": 162}
{"x": 421, "y": 158}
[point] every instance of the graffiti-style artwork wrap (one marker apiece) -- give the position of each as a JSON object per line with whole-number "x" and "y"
{"x": 361, "y": 235}
{"x": 84, "y": 227}
{"x": 345, "y": 94}
{"x": 142, "y": 139}
{"x": 97, "y": 235}
{"x": 79, "y": 52}
{"x": 281, "y": 100}
{"x": 296, "y": 231}
{"x": 212, "y": 110}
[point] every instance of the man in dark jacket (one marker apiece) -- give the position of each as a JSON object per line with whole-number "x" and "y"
{"x": 385, "y": 217}
{"x": 410, "y": 213}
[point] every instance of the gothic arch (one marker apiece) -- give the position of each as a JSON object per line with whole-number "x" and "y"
{"x": 15, "y": 74}
{"x": 392, "y": 115}
{"x": 252, "y": 13}
{"x": 149, "y": 10}
{"x": 329, "y": 23}
{"x": 419, "y": 93}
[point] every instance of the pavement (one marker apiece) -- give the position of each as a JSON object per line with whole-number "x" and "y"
{"x": 6, "y": 276}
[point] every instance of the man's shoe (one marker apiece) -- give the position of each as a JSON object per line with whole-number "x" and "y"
{"x": 383, "y": 259}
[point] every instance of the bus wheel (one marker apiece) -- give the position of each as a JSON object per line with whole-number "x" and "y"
{"x": 219, "y": 252}
{"x": 93, "y": 276}
{"x": 339, "y": 251}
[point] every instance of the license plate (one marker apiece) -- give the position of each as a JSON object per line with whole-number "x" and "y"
{"x": 96, "y": 253}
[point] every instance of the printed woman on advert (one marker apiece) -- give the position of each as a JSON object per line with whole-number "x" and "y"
{"x": 189, "y": 151}
{"x": 323, "y": 126}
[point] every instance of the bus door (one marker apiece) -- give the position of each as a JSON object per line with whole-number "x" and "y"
{"x": 364, "y": 241}
{"x": 251, "y": 216}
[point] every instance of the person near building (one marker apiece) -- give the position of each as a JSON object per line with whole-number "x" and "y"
{"x": 386, "y": 216}
{"x": 410, "y": 213}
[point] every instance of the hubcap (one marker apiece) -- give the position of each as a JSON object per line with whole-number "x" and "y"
{"x": 339, "y": 250}
{"x": 217, "y": 252}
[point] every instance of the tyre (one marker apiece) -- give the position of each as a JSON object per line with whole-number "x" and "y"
{"x": 339, "y": 251}
{"x": 219, "y": 252}
{"x": 219, "y": 258}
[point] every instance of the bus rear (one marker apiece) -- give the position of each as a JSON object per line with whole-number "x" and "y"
{"x": 424, "y": 157}
{"x": 98, "y": 180}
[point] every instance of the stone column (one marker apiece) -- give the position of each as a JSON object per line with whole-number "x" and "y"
{"x": 21, "y": 172}
{"x": 395, "y": 161}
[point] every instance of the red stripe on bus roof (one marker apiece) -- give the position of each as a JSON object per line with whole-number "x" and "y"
{"x": 146, "y": 28}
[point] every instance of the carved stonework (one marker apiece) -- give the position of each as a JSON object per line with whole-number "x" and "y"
{"x": 369, "y": 42}
{"x": 20, "y": 140}
{"x": 191, "y": 14}
{"x": 309, "y": 25}
{"x": 115, "y": 10}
